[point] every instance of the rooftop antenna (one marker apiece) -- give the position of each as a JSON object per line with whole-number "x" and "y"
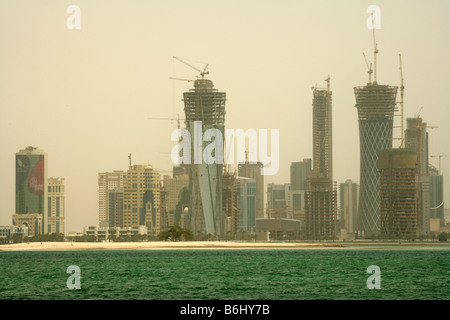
{"x": 129, "y": 160}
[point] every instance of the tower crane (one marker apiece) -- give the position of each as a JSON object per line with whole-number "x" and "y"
{"x": 375, "y": 51}
{"x": 188, "y": 80}
{"x": 439, "y": 156}
{"x": 202, "y": 72}
{"x": 171, "y": 119}
{"x": 369, "y": 69}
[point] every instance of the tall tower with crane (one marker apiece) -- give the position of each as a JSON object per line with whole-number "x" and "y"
{"x": 375, "y": 104}
{"x": 204, "y": 104}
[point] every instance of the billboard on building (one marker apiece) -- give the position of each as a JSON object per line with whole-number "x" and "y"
{"x": 30, "y": 183}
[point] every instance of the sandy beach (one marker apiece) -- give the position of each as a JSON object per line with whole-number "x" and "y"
{"x": 155, "y": 245}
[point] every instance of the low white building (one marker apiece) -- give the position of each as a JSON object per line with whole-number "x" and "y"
{"x": 6, "y": 231}
{"x": 104, "y": 233}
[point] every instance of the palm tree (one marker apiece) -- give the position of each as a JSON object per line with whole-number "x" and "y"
{"x": 442, "y": 237}
{"x": 176, "y": 233}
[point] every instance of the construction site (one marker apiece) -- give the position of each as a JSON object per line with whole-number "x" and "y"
{"x": 321, "y": 209}
{"x": 398, "y": 192}
{"x": 375, "y": 104}
{"x": 321, "y": 192}
{"x": 322, "y": 132}
{"x": 206, "y": 104}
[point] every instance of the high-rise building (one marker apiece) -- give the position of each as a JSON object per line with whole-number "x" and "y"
{"x": 322, "y": 133}
{"x": 296, "y": 204}
{"x": 172, "y": 188}
{"x": 31, "y": 190}
{"x": 436, "y": 195}
{"x": 321, "y": 194}
{"x": 115, "y": 207}
{"x": 141, "y": 198}
{"x": 376, "y": 105}
{"x": 55, "y": 205}
{"x": 278, "y": 200}
{"x": 108, "y": 181}
{"x": 180, "y": 170}
{"x": 247, "y": 191}
{"x": 231, "y": 204}
{"x": 321, "y": 209}
{"x": 253, "y": 170}
{"x": 349, "y": 207}
{"x": 300, "y": 173}
{"x": 204, "y": 109}
{"x": 416, "y": 138}
{"x": 282, "y": 202}
{"x": 398, "y": 202}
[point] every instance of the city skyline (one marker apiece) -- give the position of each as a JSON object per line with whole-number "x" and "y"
{"x": 84, "y": 96}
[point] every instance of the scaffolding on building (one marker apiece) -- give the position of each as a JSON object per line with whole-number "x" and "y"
{"x": 321, "y": 209}
{"x": 398, "y": 192}
{"x": 205, "y": 104}
{"x": 322, "y": 132}
{"x": 321, "y": 191}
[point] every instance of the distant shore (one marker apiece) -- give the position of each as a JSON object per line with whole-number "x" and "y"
{"x": 164, "y": 245}
{"x": 153, "y": 245}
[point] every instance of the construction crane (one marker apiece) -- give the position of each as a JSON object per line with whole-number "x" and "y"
{"x": 202, "y": 72}
{"x": 375, "y": 51}
{"x": 188, "y": 80}
{"x": 439, "y": 156}
{"x": 419, "y": 128}
{"x": 369, "y": 69}
{"x": 171, "y": 119}
{"x": 402, "y": 91}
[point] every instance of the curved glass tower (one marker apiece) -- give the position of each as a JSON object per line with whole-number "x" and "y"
{"x": 376, "y": 105}
{"x": 205, "y": 109}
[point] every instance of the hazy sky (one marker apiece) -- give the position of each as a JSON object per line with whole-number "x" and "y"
{"x": 84, "y": 96}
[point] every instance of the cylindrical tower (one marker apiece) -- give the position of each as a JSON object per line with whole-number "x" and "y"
{"x": 376, "y": 105}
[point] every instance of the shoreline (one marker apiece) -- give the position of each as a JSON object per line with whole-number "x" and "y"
{"x": 158, "y": 245}
{"x": 202, "y": 245}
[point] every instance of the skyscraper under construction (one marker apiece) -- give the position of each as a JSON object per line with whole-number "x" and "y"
{"x": 376, "y": 105}
{"x": 398, "y": 203}
{"x": 204, "y": 108}
{"x": 321, "y": 194}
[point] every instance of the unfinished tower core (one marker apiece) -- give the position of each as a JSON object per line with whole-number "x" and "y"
{"x": 321, "y": 194}
{"x": 322, "y": 138}
{"x": 206, "y": 105}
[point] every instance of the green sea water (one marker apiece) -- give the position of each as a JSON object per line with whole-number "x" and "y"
{"x": 286, "y": 274}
